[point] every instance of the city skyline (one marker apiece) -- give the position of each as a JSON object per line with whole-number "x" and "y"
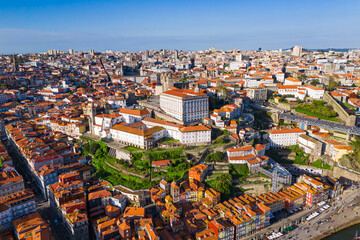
{"x": 39, "y": 26}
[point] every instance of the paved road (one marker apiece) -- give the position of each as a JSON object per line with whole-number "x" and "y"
{"x": 48, "y": 214}
{"x": 42, "y": 206}
{"x": 321, "y": 123}
{"x": 348, "y": 197}
{"x": 339, "y": 212}
{"x": 309, "y": 121}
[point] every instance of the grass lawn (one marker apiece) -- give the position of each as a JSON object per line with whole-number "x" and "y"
{"x": 132, "y": 149}
{"x": 300, "y": 158}
{"x": 239, "y": 169}
{"x": 320, "y": 164}
{"x": 349, "y": 106}
{"x": 168, "y": 140}
{"x": 300, "y": 110}
{"x": 246, "y": 189}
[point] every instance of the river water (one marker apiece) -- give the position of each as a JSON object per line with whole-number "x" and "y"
{"x": 345, "y": 234}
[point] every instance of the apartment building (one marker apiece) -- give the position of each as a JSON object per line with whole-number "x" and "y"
{"x": 76, "y": 224}
{"x": 293, "y": 199}
{"x": 98, "y": 200}
{"x": 46, "y": 176}
{"x": 32, "y": 226}
{"x": 62, "y": 192}
{"x": 274, "y": 201}
{"x": 242, "y": 155}
{"x": 198, "y": 172}
{"x": 69, "y": 201}
{"x": 10, "y": 182}
{"x": 15, "y": 206}
{"x": 222, "y": 228}
{"x": 107, "y": 229}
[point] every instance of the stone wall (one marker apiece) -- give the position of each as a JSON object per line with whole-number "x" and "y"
{"x": 167, "y": 117}
{"x": 340, "y": 172}
{"x": 344, "y": 116}
{"x": 144, "y": 103}
{"x": 122, "y": 154}
{"x": 285, "y": 106}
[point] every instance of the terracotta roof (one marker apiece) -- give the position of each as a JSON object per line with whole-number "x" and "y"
{"x": 162, "y": 122}
{"x": 134, "y": 112}
{"x": 240, "y": 149}
{"x": 136, "y": 131}
{"x": 195, "y": 128}
{"x": 285, "y": 131}
{"x": 134, "y": 211}
{"x": 242, "y": 158}
{"x": 184, "y": 93}
{"x": 32, "y": 225}
{"x": 99, "y": 194}
{"x": 160, "y": 163}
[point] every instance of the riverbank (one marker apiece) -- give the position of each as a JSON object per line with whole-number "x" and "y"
{"x": 339, "y": 228}
{"x": 342, "y": 214}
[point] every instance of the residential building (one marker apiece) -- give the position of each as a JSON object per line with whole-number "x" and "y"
{"x": 242, "y": 155}
{"x": 223, "y": 229}
{"x": 32, "y": 227}
{"x": 297, "y": 51}
{"x": 15, "y": 206}
{"x": 198, "y": 172}
{"x": 46, "y": 176}
{"x": 10, "y": 182}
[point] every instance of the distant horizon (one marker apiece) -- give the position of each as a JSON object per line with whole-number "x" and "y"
{"x": 40, "y": 25}
{"x": 227, "y": 50}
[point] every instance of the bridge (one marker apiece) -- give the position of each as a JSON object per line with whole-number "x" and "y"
{"x": 309, "y": 121}
{"x": 321, "y": 123}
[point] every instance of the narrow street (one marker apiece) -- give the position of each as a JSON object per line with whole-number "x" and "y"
{"x": 42, "y": 206}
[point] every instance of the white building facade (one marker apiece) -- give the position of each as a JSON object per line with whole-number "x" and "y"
{"x": 185, "y": 105}
{"x": 284, "y": 137}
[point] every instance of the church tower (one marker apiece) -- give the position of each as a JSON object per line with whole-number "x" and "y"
{"x": 90, "y": 111}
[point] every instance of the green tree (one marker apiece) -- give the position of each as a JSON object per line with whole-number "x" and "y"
{"x": 215, "y": 157}
{"x": 224, "y": 183}
{"x": 302, "y": 77}
{"x": 86, "y": 147}
{"x": 219, "y": 140}
{"x": 314, "y": 82}
{"x": 93, "y": 147}
{"x": 226, "y": 132}
{"x": 221, "y": 89}
{"x": 332, "y": 84}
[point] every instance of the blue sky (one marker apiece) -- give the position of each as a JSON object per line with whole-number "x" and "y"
{"x": 36, "y": 26}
